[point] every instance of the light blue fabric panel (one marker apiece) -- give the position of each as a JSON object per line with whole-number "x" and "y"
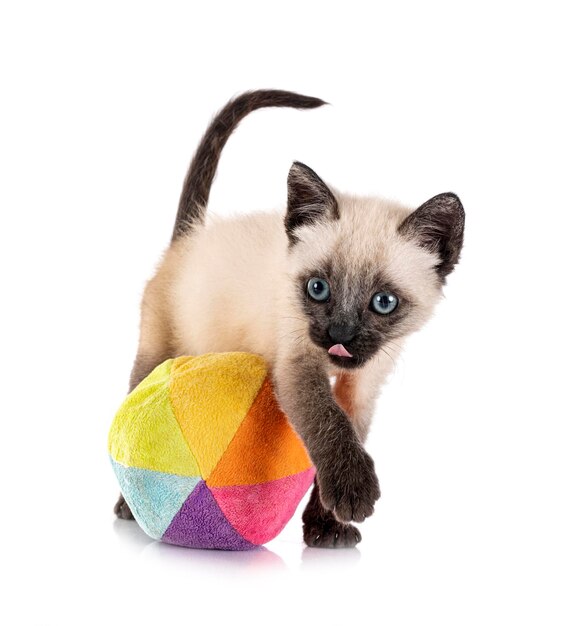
{"x": 154, "y": 497}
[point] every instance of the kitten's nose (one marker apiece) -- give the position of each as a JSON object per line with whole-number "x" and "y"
{"x": 342, "y": 333}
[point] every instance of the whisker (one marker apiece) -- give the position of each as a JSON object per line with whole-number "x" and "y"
{"x": 390, "y": 357}
{"x": 392, "y": 349}
{"x": 291, "y": 333}
{"x": 303, "y": 337}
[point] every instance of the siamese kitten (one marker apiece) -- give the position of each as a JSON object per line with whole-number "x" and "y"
{"x": 328, "y": 289}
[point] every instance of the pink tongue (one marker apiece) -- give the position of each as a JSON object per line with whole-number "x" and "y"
{"x": 339, "y": 350}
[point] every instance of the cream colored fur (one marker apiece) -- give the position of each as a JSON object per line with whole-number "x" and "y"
{"x": 230, "y": 286}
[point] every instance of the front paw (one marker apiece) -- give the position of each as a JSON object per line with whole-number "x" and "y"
{"x": 349, "y": 486}
{"x": 326, "y": 532}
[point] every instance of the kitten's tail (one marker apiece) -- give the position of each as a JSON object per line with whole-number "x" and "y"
{"x": 197, "y": 183}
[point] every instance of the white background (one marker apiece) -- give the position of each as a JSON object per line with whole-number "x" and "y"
{"x": 102, "y": 105}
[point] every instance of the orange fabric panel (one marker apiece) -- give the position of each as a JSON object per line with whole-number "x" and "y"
{"x": 265, "y": 447}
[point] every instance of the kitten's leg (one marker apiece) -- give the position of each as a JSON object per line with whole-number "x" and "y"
{"x": 356, "y": 393}
{"x": 154, "y": 348}
{"x": 122, "y": 510}
{"x": 347, "y": 483}
{"x": 155, "y": 340}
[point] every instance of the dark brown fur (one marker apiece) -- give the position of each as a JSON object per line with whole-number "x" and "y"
{"x": 308, "y": 199}
{"x": 438, "y": 225}
{"x": 122, "y": 510}
{"x": 345, "y": 472}
{"x": 199, "y": 178}
{"x": 322, "y": 530}
{"x": 371, "y": 329}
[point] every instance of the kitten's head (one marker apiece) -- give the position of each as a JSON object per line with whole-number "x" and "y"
{"x": 366, "y": 271}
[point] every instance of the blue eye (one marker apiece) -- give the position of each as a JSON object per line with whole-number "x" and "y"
{"x": 318, "y": 289}
{"x": 384, "y": 302}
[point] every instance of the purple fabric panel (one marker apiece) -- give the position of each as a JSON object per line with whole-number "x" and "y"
{"x": 200, "y": 523}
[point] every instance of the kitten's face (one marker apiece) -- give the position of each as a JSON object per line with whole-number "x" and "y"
{"x": 362, "y": 278}
{"x": 352, "y": 313}
{"x": 359, "y": 283}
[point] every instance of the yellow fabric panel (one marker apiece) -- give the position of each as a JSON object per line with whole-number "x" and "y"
{"x": 210, "y": 396}
{"x": 145, "y": 432}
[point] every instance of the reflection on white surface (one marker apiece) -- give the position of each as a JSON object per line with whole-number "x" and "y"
{"x": 263, "y": 559}
{"x": 245, "y": 561}
{"x": 314, "y": 559}
{"x": 131, "y": 534}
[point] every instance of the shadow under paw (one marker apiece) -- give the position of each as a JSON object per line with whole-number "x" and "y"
{"x": 329, "y": 533}
{"x": 122, "y": 510}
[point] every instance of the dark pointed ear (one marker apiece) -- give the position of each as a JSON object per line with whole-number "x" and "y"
{"x": 309, "y": 199}
{"x": 438, "y": 226}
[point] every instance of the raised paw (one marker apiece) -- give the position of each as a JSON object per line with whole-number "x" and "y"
{"x": 122, "y": 510}
{"x": 329, "y": 533}
{"x": 350, "y": 487}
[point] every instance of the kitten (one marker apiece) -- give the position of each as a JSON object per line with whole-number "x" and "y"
{"x": 330, "y": 288}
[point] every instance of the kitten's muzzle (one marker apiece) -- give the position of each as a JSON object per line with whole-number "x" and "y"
{"x": 342, "y": 333}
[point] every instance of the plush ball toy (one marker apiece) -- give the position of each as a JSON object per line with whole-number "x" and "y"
{"x": 205, "y": 457}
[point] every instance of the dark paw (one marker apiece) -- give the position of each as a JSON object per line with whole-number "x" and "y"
{"x": 122, "y": 510}
{"x": 350, "y": 488}
{"x": 329, "y": 533}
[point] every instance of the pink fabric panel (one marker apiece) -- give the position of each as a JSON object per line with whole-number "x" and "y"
{"x": 260, "y": 512}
